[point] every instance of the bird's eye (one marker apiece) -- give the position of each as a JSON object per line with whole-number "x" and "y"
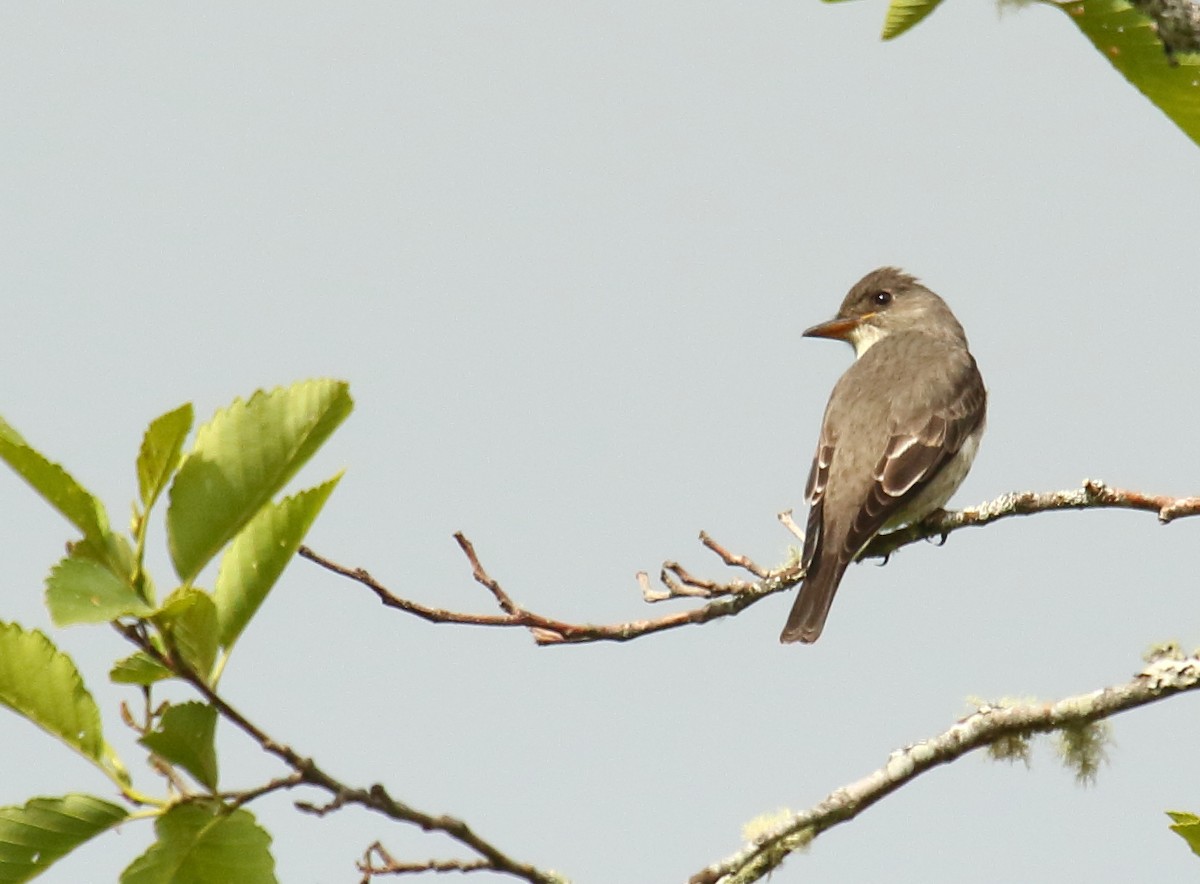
{"x": 882, "y": 298}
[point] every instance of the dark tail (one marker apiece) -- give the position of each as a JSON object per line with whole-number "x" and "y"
{"x": 811, "y": 607}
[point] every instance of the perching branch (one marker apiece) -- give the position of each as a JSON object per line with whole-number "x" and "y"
{"x": 732, "y": 597}
{"x": 1093, "y": 495}
{"x": 1166, "y": 676}
{"x": 373, "y": 798}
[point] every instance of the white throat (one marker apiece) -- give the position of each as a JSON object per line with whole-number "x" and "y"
{"x": 864, "y": 337}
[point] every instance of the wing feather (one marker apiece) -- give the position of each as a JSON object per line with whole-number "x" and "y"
{"x": 814, "y": 494}
{"x": 913, "y": 457}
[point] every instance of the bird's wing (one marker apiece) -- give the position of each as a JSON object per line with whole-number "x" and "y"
{"x": 914, "y": 455}
{"x": 814, "y": 494}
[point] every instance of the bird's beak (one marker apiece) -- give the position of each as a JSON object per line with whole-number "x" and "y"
{"x": 839, "y": 329}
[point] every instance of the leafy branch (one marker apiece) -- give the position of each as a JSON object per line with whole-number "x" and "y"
{"x": 308, "y": 772}
{"x": 222, "y": 503}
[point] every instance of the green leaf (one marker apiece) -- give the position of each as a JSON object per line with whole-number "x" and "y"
{"x": 189, "y": 619}
{"x": 241, "y": 458}
{"x": 56, "y": 485}
{"x": 162, "y": 447}
{"x": 84, "y": 591}
{"x": 138, "y": 668}
{"x": 113, "y": 552}
{"x": 259, "y": 554}
{"x": 903, "y": 14}
{"x": 1128, "y": 40}
{"x": 184, "y": 736}
{"x": 199, "y": 844}
{"x": 1187, "y": 825}
{"x": 41, "y": 683}
{"x": 34, "y": 837}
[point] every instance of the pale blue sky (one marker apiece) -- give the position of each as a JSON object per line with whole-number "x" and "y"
{"x": 563, "y": 253}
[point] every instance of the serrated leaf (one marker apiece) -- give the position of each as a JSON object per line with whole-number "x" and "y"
{"x": 161, "y": 451}
{"x": 1129, "y": 41}
{"x": 184, "y": 736}
{"x": 258, "y": 555}
{"x": 137, "y": 668}
{"x": 56, "y": 485}
{"x": 903, "y": 14}
{"x": 198, "y": 844}
{"x": 241, "y": 458}
{"x": 35, "y": 836}
{"x": 42, "y": 684}
{"x": 113, "y": 552}
{"x": 189, "y": 618}
{"x": 1187, "y": 825}
{"x": 84, "y": 591}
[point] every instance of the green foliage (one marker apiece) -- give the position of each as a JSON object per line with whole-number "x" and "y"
{"x": 189, "y": 624}
{"x": 259, "y": 554}
{"x": 41, "y": 683}
{"x": 1187, "y": 825}
{"x": 138, "y": 668}
{"x": 162, "y": 448}
{"x": 243, "y": 457}
{"x": 221, "y": 494}
{"x": 55, "y": 484}
{"x": 66, "y": 495}
{"x": 185, "y": 736}
{"x": 34, "y": 837}
{"x": 1129, "y": 39}
{"x": 204, "y": 843}
{"x": 904, "y": 14}
{"x": 84, "y": 591}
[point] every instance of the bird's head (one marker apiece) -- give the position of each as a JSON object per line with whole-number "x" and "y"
{"x": 884, "y": 302}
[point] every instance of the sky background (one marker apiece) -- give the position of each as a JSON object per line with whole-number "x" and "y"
{"x": 563, "y": 252}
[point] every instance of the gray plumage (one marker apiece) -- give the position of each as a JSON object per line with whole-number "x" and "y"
{"x": 899, "y": 433}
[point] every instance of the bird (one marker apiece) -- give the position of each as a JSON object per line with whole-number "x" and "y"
{"x": 899, "y": 434}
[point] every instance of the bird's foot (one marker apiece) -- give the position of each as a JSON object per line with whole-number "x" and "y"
{"x": 934, "y": 518}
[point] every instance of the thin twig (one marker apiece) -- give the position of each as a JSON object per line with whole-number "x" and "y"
{"x": 377, "y": 861}
{"x": 730, "y": 559}
{"x": 237, "y": 799}
{"x": 785, "y": 519}
{"x": 481, "y": 576}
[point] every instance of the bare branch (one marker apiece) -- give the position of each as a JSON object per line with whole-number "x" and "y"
{"x": 377, "y": 861}
{"x": 733, "y": 561}
{"x": 1164, "y": 677}
{"x": 732, "y": 597}
{"x": 481, "y": 576}
{"x": 785, "y": 519}
{"x": 237, "y": 799}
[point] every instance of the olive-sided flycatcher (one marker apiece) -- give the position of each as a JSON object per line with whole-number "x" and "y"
{"x": 900, "y": 430}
